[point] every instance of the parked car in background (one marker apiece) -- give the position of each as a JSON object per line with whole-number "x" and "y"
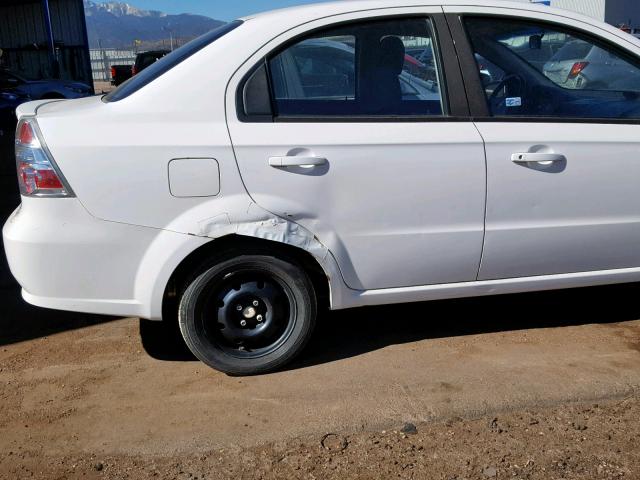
{"x": 419, "y": 61}
{"x": 582, "y": 65}
{"x": 299, "y": 170}
{"x": 9, "y": 101}
{"x": 120, "y": 74}
{"x": 145, "y": 59}
{"x": 43, "y": 89}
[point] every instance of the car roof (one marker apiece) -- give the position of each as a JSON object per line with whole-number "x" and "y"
{"x": 346, "y": 6}
{"x": 314, "y": 11}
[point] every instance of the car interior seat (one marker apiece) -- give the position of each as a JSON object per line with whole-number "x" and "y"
{"x": 385, "y": 93}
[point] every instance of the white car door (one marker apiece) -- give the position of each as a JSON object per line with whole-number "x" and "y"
{"x": 362, "y": 145}
{"x": 563, "y": 155}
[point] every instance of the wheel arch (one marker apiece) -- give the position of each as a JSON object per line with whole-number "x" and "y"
{"x": 207, "y": 254}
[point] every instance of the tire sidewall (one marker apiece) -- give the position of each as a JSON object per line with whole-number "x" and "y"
{"x": 302, "y": 293}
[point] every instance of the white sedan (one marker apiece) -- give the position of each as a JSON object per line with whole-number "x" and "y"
{"x": 301, "y": 158}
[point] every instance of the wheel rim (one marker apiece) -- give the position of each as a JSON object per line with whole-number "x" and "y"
{"x": 247, "y": 313}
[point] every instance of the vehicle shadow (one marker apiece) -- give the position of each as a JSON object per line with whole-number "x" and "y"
{"x": 20, "y": 321}
{"x": 349, "y": 333}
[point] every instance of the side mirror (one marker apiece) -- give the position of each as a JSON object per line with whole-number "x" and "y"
{"x": 535, "y": 42}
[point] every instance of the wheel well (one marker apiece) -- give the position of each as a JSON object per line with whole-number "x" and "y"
{"x": 207, "y": 255}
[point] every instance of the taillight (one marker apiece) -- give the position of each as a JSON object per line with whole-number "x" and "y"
{"x": 577, "y": 69}
{"x": 25, "y": 134}
{"x": 38, "y": 175}
{"x": 113, "y": 72}
{"x": 134, "y": 70}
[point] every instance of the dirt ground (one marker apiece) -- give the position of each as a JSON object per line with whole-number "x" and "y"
{"x": 536, "y": 386}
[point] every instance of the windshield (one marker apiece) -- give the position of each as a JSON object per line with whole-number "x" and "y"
{"x": 165, "y": 64}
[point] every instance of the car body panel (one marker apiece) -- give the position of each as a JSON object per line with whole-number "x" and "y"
{"x": 578, "y": 216}
{"x": 74, "y": 261}
{"x": 406, "y": 209}
{"x": 115, "y": 155}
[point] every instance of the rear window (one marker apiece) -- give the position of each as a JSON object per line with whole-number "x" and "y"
{"x": 166, "y": 63}
{"x": 573, "y": 51}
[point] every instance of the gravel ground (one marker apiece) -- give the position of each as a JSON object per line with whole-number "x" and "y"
{"x": 538, "y": 386}
{"x": 578, "y": 441}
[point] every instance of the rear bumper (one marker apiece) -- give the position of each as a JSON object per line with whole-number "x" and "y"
{"x": 120, "y": 308}
{"x": 66, "y": 259}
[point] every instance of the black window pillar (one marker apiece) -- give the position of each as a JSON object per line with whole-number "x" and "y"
{"x": 53, "y": 58}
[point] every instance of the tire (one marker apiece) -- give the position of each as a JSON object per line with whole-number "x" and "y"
{"x": 248, "y": 315}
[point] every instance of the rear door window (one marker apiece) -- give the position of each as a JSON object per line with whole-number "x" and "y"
{"x": 317, "y": 69}
{"x": 379, "y": 68}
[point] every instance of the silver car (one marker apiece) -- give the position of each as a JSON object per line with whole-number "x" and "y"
{"x": 582, "y": 65}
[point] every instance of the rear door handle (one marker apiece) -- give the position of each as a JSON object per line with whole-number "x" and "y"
{"x": 541, "y": 158}
{"x": 296, "y": 161}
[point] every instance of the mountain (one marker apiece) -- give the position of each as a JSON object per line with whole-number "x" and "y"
{"x": 119, "y": 25}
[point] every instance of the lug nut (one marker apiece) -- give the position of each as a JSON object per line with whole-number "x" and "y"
{"x": 255, "y": 303}
{"x": 239, "y": 308}
{"x": 243, "y": 323}
{"x": 259, "y": 318}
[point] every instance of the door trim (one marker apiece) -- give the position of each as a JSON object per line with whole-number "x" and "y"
{"x": 487, "y": 287}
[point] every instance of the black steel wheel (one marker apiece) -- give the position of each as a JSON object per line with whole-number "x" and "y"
{"x": 249, "y": 314}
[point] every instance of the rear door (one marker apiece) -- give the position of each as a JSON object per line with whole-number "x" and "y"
{"x": 366, "y": 147}
{"x": 563, "y": 145}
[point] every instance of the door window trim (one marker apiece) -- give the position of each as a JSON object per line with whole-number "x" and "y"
{"x": 452, "y": 88}
{"x": 479, "y": 110}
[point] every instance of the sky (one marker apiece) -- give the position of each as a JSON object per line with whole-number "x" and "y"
{"x": 219, "y": 9}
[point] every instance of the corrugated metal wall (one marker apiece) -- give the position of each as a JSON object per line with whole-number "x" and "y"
{"x": 614, "y": 12}
{"x": 23, "y": 38}
{"x": 592, "y": 8}
{"x": 21, "y": 25}
{"x": 623, "y": 11}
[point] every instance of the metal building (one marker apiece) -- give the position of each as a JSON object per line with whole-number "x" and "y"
{"x": 614, "y": 12}
{"x": 45, "y": 39}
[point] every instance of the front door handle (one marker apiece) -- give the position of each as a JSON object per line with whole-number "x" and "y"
{"x": 296, "y": 161}
{"x": 541, "y": 158}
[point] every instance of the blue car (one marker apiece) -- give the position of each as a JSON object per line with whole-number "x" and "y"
{"x": 42, "y": 89}
{"x": 8, "y": 103}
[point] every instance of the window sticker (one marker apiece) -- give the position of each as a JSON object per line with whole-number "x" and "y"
{"x": 514, "y": 102}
